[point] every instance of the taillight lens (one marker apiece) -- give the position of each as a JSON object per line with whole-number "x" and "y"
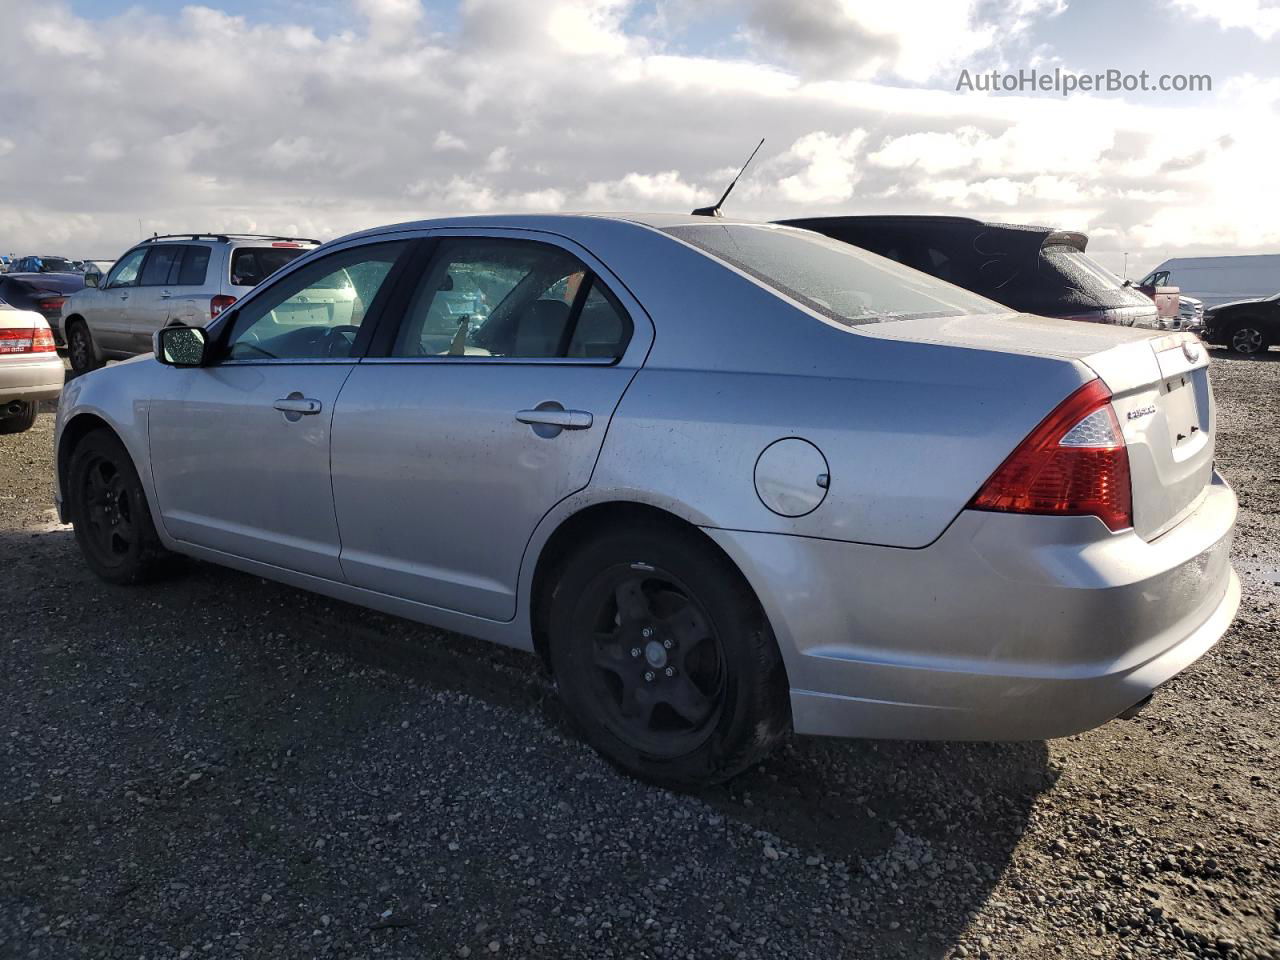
{"x": 219, "y": 303}
{"x": 51, "y": 304}
{"x": 1074, "y": 463}
{"x": 26, "y": 340}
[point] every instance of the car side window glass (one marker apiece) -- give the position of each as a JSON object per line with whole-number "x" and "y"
{"x": 193, "y": 268}
{"x": 603, "y": 328}
{"x": 125, "y": 272}
{"x": 495, "y": 297}
{"x": 155, "y": 272}
{"x": 316, "y": 312}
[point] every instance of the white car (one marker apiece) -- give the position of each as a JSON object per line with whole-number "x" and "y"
{"x": 181, "y": 278}
{"x": 30, "y": 368}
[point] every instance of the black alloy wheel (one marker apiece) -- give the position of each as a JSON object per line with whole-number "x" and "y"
{"x": 663, "y": 656}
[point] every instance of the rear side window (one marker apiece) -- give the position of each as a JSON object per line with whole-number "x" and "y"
{"x": 251, "y": 265}
{"x": 194, "y": 267}
{"x": 839, "y": 281}
{"x": 160, "y": 260}
{"x": 519, "y": 299}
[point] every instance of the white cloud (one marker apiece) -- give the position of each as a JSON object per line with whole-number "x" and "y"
{"x": 539, "y": 106}
{"x": 447, "y": 141}
{"x": 828, "y": 167}
{"x": 1255, "y": 15}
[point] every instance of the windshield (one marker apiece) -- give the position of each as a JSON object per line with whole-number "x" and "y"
{"x": 842, "y": 282}
{"x": 56, "y": 265}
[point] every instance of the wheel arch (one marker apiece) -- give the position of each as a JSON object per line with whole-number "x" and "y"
{"x": 580, "y": 526}
{"x": 73, "y": 431}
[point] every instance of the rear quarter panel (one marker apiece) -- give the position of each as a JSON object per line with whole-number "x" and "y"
{"x": 909, "y": 430}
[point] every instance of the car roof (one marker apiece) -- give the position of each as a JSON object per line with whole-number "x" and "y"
{"x": 555, "y": 222}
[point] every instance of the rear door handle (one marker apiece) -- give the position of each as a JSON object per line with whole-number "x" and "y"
{"x": 166, "y": 295}
{"x": 564, "y": 419}
{"x": 297, "y": 404}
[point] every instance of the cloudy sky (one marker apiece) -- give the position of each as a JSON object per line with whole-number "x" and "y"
{"x": 318, "y": 117}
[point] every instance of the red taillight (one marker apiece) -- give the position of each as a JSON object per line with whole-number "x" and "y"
{"x": 26, "y": 340}
{"x": 219, "y": 303}
{"x": 1074, "y": 463}
{"x": 51, "y": 304}
{"x": 285, "y": 243}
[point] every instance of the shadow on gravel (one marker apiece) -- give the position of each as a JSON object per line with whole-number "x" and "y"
{"x": 912, "y": 836}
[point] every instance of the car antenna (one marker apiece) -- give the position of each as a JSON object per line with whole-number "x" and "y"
{"x": 715, "y": 211}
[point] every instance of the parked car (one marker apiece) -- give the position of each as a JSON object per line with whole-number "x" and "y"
{"x": 695, "y": 464}
{"x": 1220, "y": 280}
{"x": 30, "y": 369}
{"x": 182, "y": 278}
{"x": 45, "y": 293}
{"x": 97, "y": 266}
{"x": 1033, "y": 269}
{"x": 1246, "y": 326}
{"x": 1190, "y": 315}
{"x": 43, "y": 264}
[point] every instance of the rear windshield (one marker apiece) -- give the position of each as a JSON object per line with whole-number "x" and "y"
{"x": 1085, "y": 282}
{"x": 251, "y": 265}
{"x": 844, "y": 283}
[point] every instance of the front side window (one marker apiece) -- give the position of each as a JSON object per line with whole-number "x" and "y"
{"x": 518, "y": 299}
{"x": 842, "y": 282}
{"x": 125, "y": 272}
{"x": 316, "y": 312}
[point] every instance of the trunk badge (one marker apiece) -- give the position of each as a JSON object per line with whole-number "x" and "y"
{"x": 1190, "y": 351}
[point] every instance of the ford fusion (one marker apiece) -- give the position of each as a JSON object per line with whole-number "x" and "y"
{"x": 728, "y": 479}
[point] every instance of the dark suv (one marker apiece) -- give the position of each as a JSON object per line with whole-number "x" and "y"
{"x": 1029, "y": 269}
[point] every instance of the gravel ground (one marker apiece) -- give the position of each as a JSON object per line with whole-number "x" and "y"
{"x": 218, "y": 766}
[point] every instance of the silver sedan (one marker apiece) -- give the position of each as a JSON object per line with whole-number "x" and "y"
{"x": 728, "y": 479}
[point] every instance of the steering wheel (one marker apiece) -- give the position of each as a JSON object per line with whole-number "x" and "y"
{"x": 339, "y": 337}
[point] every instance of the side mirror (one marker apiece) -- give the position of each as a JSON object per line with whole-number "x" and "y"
{"x": 179, "y": 346}
{"x": 91, "y": 279}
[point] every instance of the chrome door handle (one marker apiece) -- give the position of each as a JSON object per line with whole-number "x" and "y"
{"x": 564, "y": 419}
{"x": 297, "y": 404}
{"x": 166, "y": 296}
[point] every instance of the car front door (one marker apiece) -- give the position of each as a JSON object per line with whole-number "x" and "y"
{"x": 240, "y": 447}
{"x": 485, "y": 407}
{"x": 108, "y": 313}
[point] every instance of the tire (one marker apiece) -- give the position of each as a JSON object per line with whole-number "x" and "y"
{"x": 109, "y": 512}
{"x": 81, "y": 350}
{"x": 1248, "y": 339}
{"x": 20, "y": 422}
{"x": 696, "y": 700}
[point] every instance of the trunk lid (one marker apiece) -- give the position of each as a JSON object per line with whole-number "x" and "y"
{"x": 1160, "y": 386}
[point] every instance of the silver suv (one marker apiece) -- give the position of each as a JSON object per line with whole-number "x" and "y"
{"x": 180, "y": 278}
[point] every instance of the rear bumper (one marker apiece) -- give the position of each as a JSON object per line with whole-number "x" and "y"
{"x": 1006, "y": 628}
{"x": 29, "y": 379}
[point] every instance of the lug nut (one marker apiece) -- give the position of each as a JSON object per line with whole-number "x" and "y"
{"x": 667, "y": 644}
{"x": 635, "y": 651}
{"x": 648, "y": 675}
{"x": 647, "y": 632}
{"x": 670, "y": 671}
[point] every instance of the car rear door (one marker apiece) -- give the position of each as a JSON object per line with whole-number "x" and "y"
{"x": 240, "y": 447}
{"x": 148, "y": 306}
{"x": 475, "y": 415}
{"x": 186, "y": 297}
